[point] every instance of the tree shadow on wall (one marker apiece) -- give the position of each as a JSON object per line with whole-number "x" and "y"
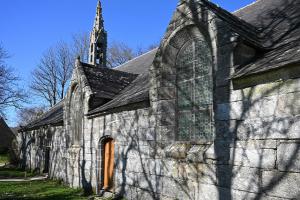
{"x": 250, "y": 157}
{"x": 250, "y": 160}
{"x": 135, "y": 175}
{"x": 25, "y": 143}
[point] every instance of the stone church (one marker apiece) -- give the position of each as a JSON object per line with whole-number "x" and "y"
{"x": 212, "y": 113}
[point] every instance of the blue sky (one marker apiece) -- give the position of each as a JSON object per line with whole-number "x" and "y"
{"x": 29, "y": 27}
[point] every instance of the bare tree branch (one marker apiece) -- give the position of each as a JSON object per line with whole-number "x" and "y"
{"x": 118, "y": 53}
{"x": 10, "y": 94}
{"x": 50, "y": 78}
{"x": 80, "y": 46}
{"x": 27, "y": 115}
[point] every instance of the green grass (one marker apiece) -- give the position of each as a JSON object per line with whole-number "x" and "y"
{"x": 4, "y": 158}
{"x": 14, "y": 173}
{"x": 43, "y": 190}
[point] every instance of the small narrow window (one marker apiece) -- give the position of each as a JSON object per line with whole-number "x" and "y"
{"x": 75, "y": 116}
{"x": 194, "y": 91}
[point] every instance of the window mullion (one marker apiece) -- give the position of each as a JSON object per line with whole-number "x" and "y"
{"x": 194, "y": 90}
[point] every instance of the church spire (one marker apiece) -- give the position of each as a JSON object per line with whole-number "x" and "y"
{"x": 98, "y": 40}
{"x": 99, "y": 18}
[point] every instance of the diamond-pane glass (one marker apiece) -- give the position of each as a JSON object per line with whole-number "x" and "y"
{"x": 185, "y": 127}
{"x": 186, "y": 71}
{"x": 194, "y": 92}
{"x": 185, "y": 95}
{"x": 203, "y": 127}
{"x": 203, "y": 91}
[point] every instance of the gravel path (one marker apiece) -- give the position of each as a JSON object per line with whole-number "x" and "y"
{"x": 37, "y": 178}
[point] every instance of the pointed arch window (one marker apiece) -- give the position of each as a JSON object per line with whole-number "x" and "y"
{"x": 194, "y": 85}
{"x": 75, "y": 116}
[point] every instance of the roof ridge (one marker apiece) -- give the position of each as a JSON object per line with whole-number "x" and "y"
{"x": 122, "y": 72}
{"x": 246, "y": 6}
{"x": 135, "y": 58}
{"x": 107, "y": 68}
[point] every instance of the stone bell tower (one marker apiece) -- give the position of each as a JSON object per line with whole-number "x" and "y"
{"x": 98, "y": 40}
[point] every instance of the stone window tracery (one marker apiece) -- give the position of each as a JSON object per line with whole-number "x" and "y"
{"x": 194, "y": 91}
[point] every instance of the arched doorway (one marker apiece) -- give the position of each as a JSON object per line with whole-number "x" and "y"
{"x": 107, "y": 163}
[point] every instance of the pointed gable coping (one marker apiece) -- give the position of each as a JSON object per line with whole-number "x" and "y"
{"x": 247, "y": 31}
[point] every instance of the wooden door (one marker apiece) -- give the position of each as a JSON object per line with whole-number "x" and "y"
{"x": 108, "y": 164}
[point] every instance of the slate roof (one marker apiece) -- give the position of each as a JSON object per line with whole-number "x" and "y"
{"x": 272, "y": 26}
{"x": 137, "y": 91}
{"x": 117, "y": 84}
{"x": 279, "y": 25}
{"x": 140, "y": 64}
{"x": 278, "y": 20}
{"x": 106, "y": 83}
{"x": 53, "y": 117}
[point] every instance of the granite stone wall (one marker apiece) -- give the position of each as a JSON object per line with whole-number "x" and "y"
{"x": 252, "y": 157}
{"x": 256, "y": 146}
{"x": 254, "y": 153}
{"x": 41, "y": 150}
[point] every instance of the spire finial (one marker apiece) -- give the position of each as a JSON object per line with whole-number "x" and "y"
{"x": 99, "y": 18}
{"x": 99, "y": 7}
{"x": 98, "y": 40}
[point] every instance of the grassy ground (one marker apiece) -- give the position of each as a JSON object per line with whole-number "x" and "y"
{"x": 6, "y": 173}
{"x": 43, "y": 190}
{"x": 34, "y": 190}
{"x": 4, "y": 158}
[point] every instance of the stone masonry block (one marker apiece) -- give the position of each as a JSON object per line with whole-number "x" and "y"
{"x": 166, "y": 119}
{"x": 233, "y": 110}
{"x": 251, "y": 157}
{"x": 281, "y": 184}
{"x": 237, "y": 177}
{"x": 165, "y": 133}
{"x": 269, "y": 128}
{"x": 177, "y": 151}
{"x": 165, "y": 93}
{"x": 203, "y": 153}
{"x": 255, "y": 144}
{"x": 288, "y": 156}
{"x": 164, "y": 106}
{"x": 288, "y": 104}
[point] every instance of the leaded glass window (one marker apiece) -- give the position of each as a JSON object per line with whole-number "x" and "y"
{"x": 194, "y": 91}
